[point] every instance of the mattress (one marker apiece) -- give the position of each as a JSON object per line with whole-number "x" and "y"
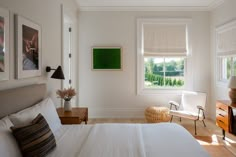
{"x": 126, "y": 140}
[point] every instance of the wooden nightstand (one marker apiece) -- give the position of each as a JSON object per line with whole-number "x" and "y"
{"x": 76, "y": 116}
{"x": 225, "y": 116}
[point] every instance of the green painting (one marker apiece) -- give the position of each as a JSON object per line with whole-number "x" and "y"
{"x": 106, "y": 58}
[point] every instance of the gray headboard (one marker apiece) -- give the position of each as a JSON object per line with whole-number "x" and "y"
{"x": 13, "y": 100}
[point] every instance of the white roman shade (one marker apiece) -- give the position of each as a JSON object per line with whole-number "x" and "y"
{"x": 165, "y": 40}
{"x": 226, "y": 40}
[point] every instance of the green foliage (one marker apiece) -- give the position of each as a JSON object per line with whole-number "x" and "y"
{"x": 159, "y": 80}
{"x": 174, "y": 72}
{"x": 149, "y": 66}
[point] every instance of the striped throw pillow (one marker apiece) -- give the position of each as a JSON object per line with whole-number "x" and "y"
{"x": 35, "y": 139}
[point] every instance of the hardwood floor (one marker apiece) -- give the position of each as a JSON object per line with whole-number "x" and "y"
{"x": 209, "y": 137}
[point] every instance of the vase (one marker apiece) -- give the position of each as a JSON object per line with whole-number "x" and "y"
{"x": 67, "y": 105}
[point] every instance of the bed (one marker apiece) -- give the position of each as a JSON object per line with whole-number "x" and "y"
{"x": 99, "y": 140}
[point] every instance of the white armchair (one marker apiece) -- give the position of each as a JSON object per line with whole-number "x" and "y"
{"x": 193, "y": 106}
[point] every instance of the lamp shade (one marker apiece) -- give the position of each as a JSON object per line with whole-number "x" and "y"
{"x": 232, "y": 82}
{"x": 58, "y": 74}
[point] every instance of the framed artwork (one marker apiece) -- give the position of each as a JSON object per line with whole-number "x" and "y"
{"x": 4, "y": 44}
{"x": 28, "y": 48}
{"x": 107, "y": 58}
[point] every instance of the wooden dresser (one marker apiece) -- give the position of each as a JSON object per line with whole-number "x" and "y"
{"x": 225, "y": 116}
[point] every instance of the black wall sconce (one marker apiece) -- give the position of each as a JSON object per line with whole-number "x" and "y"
{"x": 58, "y": 73}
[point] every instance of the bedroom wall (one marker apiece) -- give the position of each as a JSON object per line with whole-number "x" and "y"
{"x": 113, "y": 93}
{"x": 222, "y": 15}
{"x": 47, "y": 13}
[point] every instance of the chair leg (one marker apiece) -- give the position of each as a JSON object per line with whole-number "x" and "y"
{"x": 171, "y": 118}
{"x": 223, "y": 132}
{"x": 195, "y": 127}
{"x": 204, "y": 123}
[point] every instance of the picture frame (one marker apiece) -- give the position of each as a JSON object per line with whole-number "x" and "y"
{"x": 28, "y": 48}
{"x": 4, "y": 44}
{"x": 107, "y": 58}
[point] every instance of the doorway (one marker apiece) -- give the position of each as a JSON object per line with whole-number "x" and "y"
{"x": 69, "y": 48}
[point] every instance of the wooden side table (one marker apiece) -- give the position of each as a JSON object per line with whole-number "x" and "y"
{"x": 76, "y": 116}
{"x": 225, "y": 116}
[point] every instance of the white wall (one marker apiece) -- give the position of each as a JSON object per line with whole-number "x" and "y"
{"x": 223, "y": 14}
{"x": 113, "y": 93}
{"x": 47, "y": 13}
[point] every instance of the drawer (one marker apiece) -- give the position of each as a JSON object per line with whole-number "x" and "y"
{"x": 222, "y": 107}
{"x": 222, "y": 116}
{"x": 70, "y": 120}
{"x": 222, "y": 125}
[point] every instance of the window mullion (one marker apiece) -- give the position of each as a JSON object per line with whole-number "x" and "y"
{"x": 232, "y": 74}
{"x": 164, "y": 67}
{"x": 232, "y": 67}
{"x": 221, "y": 69}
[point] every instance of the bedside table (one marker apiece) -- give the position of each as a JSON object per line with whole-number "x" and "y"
{"x": 76, "y": 116}
{"x": 225, "y": 112}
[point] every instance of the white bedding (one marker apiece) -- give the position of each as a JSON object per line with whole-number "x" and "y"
{"x": 126, "y": 140}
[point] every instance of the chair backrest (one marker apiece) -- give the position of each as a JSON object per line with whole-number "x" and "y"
{"x": 190, "y": 100}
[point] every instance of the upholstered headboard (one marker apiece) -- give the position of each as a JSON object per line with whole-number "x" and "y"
{"x": 13, "y": 100}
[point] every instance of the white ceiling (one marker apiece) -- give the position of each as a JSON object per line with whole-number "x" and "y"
{"x": 148, "y": 5}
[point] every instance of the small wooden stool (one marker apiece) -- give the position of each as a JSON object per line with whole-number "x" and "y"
{"x": 156, "y": 114}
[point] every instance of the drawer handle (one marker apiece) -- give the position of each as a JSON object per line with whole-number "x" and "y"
{"x": 221, "y": 121}
{"x": 221, "y": 115}
{"x": 221, "y": 109}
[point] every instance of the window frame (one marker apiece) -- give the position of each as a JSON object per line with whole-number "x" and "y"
{"x": 224, "y": 47}
{"x": 220, "y": 79}
{"x": 164, "y": 70}
{"x": 141, "y": 90}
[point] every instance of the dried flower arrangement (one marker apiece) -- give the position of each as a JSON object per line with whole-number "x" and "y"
{"x": 66, "y": 94}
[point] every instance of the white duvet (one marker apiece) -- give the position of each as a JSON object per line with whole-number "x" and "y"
{"x": 126, "y": 140}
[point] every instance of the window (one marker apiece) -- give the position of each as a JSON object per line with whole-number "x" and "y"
{"x": 163, "y": 47}
{"x": 225, "y": 52}
{"x": 164, "y": 72}
{"x": 227, "y": 68}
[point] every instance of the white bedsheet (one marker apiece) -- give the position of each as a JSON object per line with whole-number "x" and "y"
{"x": 112, "y": 140}
{"x": 69, "y": 140}
{"x": 126, "y": 140}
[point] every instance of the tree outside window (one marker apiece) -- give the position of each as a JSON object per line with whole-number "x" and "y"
{"x": 227, "y": 67}
{"x": 161, "y": 72}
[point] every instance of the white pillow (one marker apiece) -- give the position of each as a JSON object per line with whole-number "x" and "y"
{"x": 49, "y": 112}
{"x": 45, "y": 107}
{"x": 8, "y": 144}
{"x": 5, "y": 123}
